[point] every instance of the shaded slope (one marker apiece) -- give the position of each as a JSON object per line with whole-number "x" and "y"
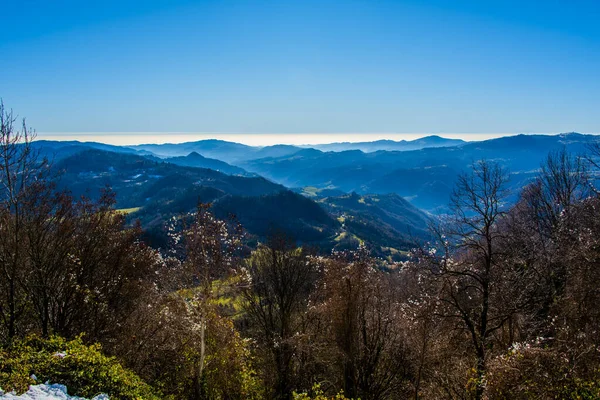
{"x": 196, "y": 160}
{"x": 298, "y": 216}
{"x": 159, "y": 190}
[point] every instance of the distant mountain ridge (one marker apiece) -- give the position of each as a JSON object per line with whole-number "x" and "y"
{"x": 230, "y": 152}
{"x": 235, "y": 153}
{"x": 57, "y": 150}
{"x": 424, "y": 176}
{"x": 390, "y": 145}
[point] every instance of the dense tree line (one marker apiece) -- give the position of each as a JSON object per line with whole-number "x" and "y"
{"x": 503, "y": 304}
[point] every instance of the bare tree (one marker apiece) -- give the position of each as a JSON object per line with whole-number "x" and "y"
{"x": 365, "y": 318}
{"x": 210, "y": 247}
{"x": 540, "y": 217}
{"x": 469, "y": 266}
{"x": 593, "y": 159}
{"x": 563, "y": 181}
{"x": 22, "y": 180}
{"x": 280, "y": 279}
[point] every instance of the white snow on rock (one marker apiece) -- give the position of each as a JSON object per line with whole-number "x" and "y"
{"x": 48, "y": 392}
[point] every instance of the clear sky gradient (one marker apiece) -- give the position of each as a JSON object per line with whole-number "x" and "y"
{"x": 431, "y": 67}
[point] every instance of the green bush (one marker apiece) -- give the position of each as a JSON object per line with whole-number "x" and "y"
{"x": 83, "y": 369}
{"x": 317, "y": 394}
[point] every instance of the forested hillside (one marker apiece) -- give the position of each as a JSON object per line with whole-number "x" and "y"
{"x": 425, "y": 177}
{"x": 153, "y": 191}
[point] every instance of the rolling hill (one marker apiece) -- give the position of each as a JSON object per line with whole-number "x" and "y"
{"x": 425, "y": 176}
{"x": 196, "y": 160}
{"x": 57, "y": 150}
{"x": 235, "y": 153}
{"x": 154, "y": 190}
{"x": 229, "y": 152}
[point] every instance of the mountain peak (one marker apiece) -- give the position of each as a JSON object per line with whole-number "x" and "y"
{"x": 195, "y": 154}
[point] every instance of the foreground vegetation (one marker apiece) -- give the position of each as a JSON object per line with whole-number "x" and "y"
{"x": 503, "y": 304}
{"x": 83, "y": 369}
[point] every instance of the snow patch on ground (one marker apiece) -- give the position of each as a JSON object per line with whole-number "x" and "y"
{"x": 48, "y": 392}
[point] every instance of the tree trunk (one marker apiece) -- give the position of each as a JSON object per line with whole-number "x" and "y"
{"x": 199, "y": 381}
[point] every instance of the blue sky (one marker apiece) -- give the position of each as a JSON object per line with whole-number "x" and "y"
{"x": 303, "y": 66}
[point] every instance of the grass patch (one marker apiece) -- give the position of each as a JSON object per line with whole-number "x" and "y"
{"x": 310, "y": 191}
{"x": 346, "y": 235}
{"x": 129, "y": 210}
{"x": 341, "y": 236}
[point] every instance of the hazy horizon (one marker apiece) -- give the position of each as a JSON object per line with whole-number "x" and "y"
{"x": 259, "y": 139}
